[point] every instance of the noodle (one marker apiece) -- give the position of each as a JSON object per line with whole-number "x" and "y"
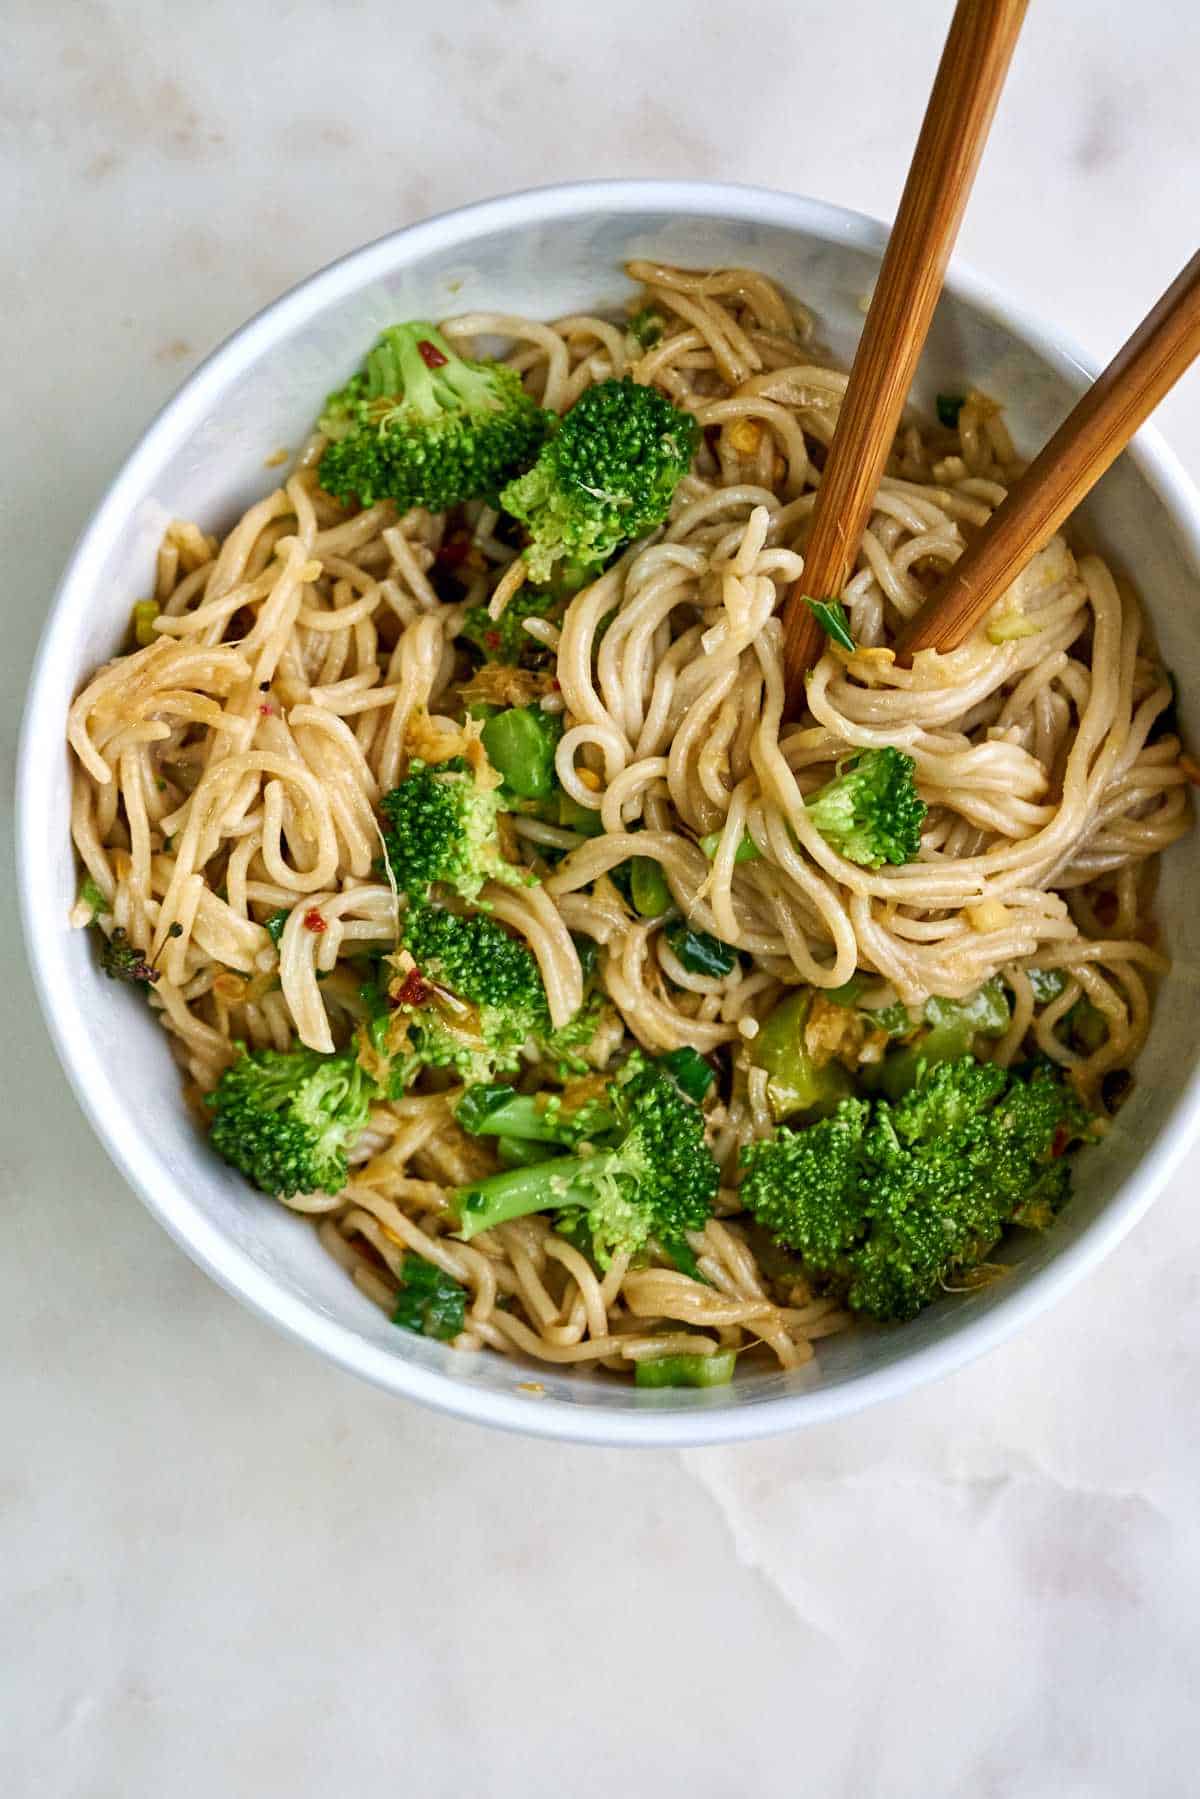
{"x": 230, "y": 771}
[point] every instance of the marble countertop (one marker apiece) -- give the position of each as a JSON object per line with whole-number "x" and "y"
{"x": 228, "y": 1569}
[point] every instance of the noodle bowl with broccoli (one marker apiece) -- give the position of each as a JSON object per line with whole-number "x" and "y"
{"x": 447, "y": 815}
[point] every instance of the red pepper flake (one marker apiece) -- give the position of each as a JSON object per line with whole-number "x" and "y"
{"x": 455, "y": 550}
{"x": 267, "y": 711}
{"x": 492, "y": 639}
{"x": 1058, "y": 1147}
{"x": 314, "y": 921}
{"x": 430, "y": 355}
{"x": 414, "y": 991}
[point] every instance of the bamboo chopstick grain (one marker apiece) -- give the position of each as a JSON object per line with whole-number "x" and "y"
{"x": 975, "y": 60}
{"x": 1085, "y": 444}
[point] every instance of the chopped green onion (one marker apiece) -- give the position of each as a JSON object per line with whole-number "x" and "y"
{"x": 1047, "y": 984}
{"x": 572, "y": 816}
{"x": 746, "y": 851}
{"x": 948, "y": 408}
{"x": 700, "y": 952}
{"x": 648, "y": 888}
{"x": 141, "y": 621}
{"x": 429, "y": 1301}
{"x": 683, "y": 1256}
{"x": 588, "y": 951}
{"x": 274, "y": 925}
{"x": 1087, "y": 1024}
{"x": 714, "y": 1370}
{"x": 689, "y": 1070}
{"x": 479, "y": 1104}
{"x": 831, "y": 616}
{"x": 91, "y": 894}
{"x": 1010, "y": 624}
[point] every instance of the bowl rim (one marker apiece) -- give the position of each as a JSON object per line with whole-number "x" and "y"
{"x": 220, "y": 1257}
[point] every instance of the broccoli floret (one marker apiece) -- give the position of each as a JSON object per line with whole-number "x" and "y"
{"x": 441, "y": 825}
{"x": 423, "y": 426}
{"x": 651, "y": 1178}
{"x": 569, "y": 1049}
{"x": 123, "y": 961}
{"x": 606, "y": 476}
{"x": 886, "y": 1203}
{"x": 505, "y": 639}
{"x": 286, "y": 1118}
{"x": 871, "y": 812}
{"x": 474, "y": 1003}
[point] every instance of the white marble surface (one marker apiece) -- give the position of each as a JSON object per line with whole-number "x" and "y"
{"x": 226, "y": 1569}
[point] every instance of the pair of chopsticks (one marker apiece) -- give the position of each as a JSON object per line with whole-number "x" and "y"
{"x": 974, "y": 63}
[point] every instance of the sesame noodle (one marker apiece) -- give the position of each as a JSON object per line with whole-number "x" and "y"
{"x": 232, "y": 768}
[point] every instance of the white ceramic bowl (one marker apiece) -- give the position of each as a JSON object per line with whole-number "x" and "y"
{"x": 546, "y": 253}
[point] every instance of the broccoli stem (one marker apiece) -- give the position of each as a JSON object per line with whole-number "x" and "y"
{"x": 514, "y": 1194}
{"x": 714, "y": 1370}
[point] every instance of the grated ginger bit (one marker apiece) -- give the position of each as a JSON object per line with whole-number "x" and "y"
{"x": 745, "y": 437}
{"x": 496, "y": 684}
{"x": 589, "y": 779}
{"x": 428, "y": 739}
{"x": 866, "y": 659}
{"x": 988, "y": 915}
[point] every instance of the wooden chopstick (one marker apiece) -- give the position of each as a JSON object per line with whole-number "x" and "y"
{"x": 1089, "y": 439}
{"x": 970, "y": 75}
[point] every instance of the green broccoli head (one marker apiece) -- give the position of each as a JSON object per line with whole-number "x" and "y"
{"x": 606, "y": 476}
{"x": 123, "y": 961}
{"x": 473, "y": 1003}
{"x": 649, "y": 1178}
{"x": 423, "y": 426}
{"x": 287, "y": 1118}
{"x": 505, "y": 639}
{"x": 441, "y": 825}
{"x": 886, "y": 1204}
{"x": 483, "y": 998}
{"x": 871, "y": 812}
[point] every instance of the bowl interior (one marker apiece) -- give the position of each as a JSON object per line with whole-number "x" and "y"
{"x": 204, "y": 460}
